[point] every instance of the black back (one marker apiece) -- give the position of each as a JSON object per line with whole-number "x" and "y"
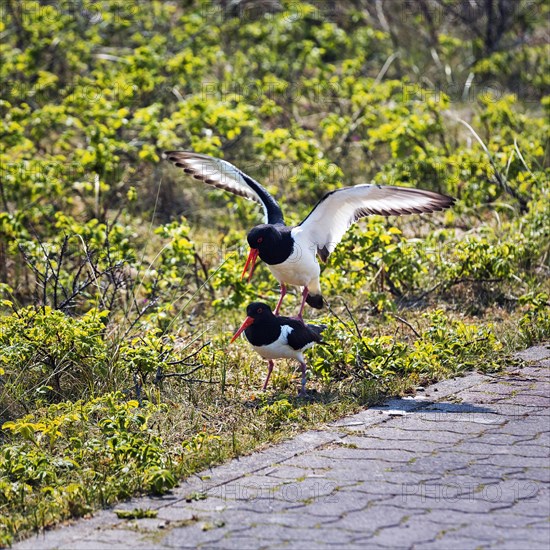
{"x": 267, "y": 328}
{"x": 303, "y": 334}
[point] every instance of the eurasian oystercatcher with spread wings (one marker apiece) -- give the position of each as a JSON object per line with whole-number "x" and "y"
{"x": 278, "y": 337}
{"x": 291, "y": 252}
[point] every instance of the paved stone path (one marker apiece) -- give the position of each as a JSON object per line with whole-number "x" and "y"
{"x": 463, "y": 465}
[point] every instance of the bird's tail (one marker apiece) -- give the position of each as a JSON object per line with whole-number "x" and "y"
{"x": 315, "y": 300}
{"x": 317, "y": 330}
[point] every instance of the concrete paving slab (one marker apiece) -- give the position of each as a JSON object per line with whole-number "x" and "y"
{"x": 464, "y": 465}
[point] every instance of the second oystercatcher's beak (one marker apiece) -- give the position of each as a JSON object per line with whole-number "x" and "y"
{"x": 250, "y": 261}
{"x": 247, "y": 322}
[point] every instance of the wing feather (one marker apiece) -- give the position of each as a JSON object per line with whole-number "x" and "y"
{"x": 332, "y": 216}
{"x": 303, "y": 334}
{"x": 223, "y": 175}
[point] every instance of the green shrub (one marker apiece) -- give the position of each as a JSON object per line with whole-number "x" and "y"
{"x": 47, "y": 355}
{"x": 447, "y": 347}
{"x": 49, "y": 471}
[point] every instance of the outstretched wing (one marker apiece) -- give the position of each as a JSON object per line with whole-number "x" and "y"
{"x": 223, "y": 175}
{"x": 332, "y": 216}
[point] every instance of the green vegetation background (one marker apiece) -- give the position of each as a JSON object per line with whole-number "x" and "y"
{"x": 120, "y": 277}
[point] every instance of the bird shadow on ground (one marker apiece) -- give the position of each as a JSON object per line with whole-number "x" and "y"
{"x": 411, "y": 406}
{"x": 393, "y": 406}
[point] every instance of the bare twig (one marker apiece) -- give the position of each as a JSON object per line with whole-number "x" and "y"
{"x": 180, "y": 374}
{"x": 352, "y": 319}
{"x": 522, "y": 159}
{"x": 58, "y": 270}
{"x": 338, "y": 317}
{"x": 182, "y": 361}
{"x": 457, "y": 281}
{"x": 405, "y": 322}
{"x": 501, "y": 180}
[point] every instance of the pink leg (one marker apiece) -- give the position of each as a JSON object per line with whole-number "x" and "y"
{"x": 303, "y": 390}
{"x": 305, "y": 293}
{"x": 269, "y": 370}
{"x": 283, "y": 293}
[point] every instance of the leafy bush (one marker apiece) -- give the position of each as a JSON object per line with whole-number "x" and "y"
{"x": 47, "y": 355}
{"x": 446, "y": 347}
{"x": 49, "y": 471}
{"x": 278, "y": 413}
{"x": 535, "y": 324}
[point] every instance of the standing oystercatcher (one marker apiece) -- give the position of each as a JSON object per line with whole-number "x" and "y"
{"x": 290, "y": 252}
{"x": 278, "y": 337}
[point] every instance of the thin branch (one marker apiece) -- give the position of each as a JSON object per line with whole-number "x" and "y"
{"x": 75, "y": 293}
{"x": 206, "y": 381}
{"x": 93, "y": 269}
{"x": 501, "y": 180}
{"x": 523, "y": 160}
{"x": 138, "y": 317}
{"x": 58, "y": 271}
{"x": 180, "y": 374}
{"x": 352, "y": 319}
{"x": 405, "y": 322}
{"x": 338, "y": 317}
{"x": 182, "y": 361}
{"x": 457, "y": 281}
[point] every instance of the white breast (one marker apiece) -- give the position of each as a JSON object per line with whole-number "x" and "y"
{"x": 280, "y": 348}
{"x": 302, "y": 267}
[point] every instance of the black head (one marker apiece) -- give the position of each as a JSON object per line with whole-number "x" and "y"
{"x": 263, "y": 237}
{"x": 273, "y": 242}
{"x": 259, "y": 311}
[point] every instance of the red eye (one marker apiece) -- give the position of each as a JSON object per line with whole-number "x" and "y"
{"x": 260, "y": 239}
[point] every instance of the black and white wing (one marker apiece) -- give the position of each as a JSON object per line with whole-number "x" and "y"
{"x": 223, "y": 175}
{"x": 332, "y": 216}
{"x": 303, "y": 335}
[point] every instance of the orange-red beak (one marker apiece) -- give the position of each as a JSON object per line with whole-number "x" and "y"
{"x": 247, "y": 322}
{"x": 250, "y": 261}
